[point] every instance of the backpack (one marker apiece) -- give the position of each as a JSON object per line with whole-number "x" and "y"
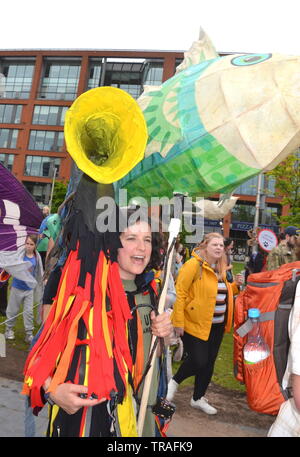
{"x": 272, "y": 292}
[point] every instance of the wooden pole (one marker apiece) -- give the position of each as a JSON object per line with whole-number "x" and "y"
{"x": 173, "y": 232}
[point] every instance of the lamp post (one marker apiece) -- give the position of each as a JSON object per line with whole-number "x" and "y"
{"x": 52, "y": 189}
{"x": 257, "y": 208}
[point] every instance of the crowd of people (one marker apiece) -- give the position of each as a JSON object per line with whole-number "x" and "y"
{"x": 202, "y": 313}
{"x": 198, "y": 311}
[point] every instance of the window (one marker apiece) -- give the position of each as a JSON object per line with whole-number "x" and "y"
{"x": 41, "y": 166}
{"x": 18, "y": 77}
{"x": 250, "y": 187}
{"x": 49, "y": 115}
{"x": 7, "y": 160}
{"x": 60, "y": 80}
{"x": 153, "y": 73}
{"x": 46, "y": 140}
{"x": 10, "y": 114}
{"x": 269, "y": 186}
{"x": 243, "y": 212}
{"x": 40, "y": 191}
{"x": 8, "y": 138}
{"x": 128, "y": 74}
{"x": 270, "y": 215}
{"x": 95, "y": 72}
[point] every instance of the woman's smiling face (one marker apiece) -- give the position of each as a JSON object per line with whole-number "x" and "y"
{"x": 136, "y": 252}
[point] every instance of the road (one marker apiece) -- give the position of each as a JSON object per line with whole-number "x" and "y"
{"x": 234, "y": 418}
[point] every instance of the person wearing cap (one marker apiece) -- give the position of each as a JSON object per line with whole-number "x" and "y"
{"x": 284, "y": 253}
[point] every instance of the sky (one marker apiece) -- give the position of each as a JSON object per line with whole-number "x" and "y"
{"x": 232, "y": 25}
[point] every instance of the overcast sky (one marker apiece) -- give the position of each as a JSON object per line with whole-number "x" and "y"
{"x": 233, "y": 25}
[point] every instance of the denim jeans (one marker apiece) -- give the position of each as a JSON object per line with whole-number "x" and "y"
{"x": 29, "y": 419}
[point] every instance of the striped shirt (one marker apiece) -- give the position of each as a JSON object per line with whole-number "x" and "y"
{"x": 221, "y": 303}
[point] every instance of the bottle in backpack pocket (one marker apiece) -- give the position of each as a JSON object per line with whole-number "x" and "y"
{"x": 256, "y": 349}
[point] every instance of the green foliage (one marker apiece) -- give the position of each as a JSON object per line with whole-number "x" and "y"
{"x": 287, "y": 175}
{"x": 59, "y": 195}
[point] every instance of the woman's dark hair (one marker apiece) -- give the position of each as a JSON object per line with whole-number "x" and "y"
{"x": 227, "y": 242}
{"x": 131, "y": 216}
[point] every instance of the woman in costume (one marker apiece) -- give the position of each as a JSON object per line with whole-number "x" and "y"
{"x": 90, "y": 355}
{"x": 202, "y": 312}
{"x": 75, "y": 410}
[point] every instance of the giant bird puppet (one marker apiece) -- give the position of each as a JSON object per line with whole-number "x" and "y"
{"x": 215, "y": 124}
{"x": 218, "y": 122}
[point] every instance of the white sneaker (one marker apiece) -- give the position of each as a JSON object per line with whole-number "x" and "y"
{"x": 28, "y": 338}
{"x": 9, "y": 334}
{"x": 172, "y": 389}
{"x": 203, "y": 404}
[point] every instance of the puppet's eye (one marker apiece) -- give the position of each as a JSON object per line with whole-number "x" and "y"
{"x": 250, "y": 59}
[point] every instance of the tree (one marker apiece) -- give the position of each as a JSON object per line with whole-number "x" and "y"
{"x": 59, "y": 195}
{"x": 287, "y": 176}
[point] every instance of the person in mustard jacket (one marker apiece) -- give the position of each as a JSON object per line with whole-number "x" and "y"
{"x": 203, "y": 311}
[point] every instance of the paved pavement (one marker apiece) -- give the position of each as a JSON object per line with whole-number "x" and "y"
{"x": 12, "y": 415}
{"x": 12, "y": 411}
